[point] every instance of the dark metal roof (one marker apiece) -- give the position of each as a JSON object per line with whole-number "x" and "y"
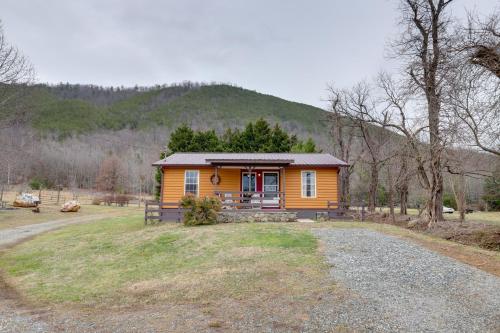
{"x": 302, "y": 159}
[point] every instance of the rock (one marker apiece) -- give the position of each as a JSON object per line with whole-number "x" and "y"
{"x": 255, "y": 216}
{"x": 70, "y": 206}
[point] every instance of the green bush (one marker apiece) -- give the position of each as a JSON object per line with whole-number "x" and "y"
{"x": 200, "y": 211}
{"x": 449, "y": 201}
{"x": 36, "y": 184}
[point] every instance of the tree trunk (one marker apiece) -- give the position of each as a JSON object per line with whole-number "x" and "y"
{"x": 345, "y": 186}
{"x": 458, "y": 187}
{"x": 435, "y": 203}
{"x": 391, "y": 194}
{"x": 372, "y": 194}
{"x": 403, "y": 187}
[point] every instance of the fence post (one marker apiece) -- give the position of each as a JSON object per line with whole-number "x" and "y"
{"x": 58, "y": 193}
{"x": 146, "y": 213}
{"x": 362, "y": 211}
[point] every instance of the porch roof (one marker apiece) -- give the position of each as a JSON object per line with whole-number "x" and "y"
{"x": 277, "y": 159}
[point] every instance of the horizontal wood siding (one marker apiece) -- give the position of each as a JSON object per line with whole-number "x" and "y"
{"x": 326, "y": 185}
{"x": 326, "y": 188}
{"x": 173, "y": 182}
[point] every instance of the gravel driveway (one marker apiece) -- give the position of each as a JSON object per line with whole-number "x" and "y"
{"x": 387, "y": 284}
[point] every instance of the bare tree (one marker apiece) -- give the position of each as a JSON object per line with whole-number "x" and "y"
{"x": 403, "y": 180}
{"x": 343, "y": 133}
{"x": 473, "y": 82}
{"x": 15, "y": 72}
{"x": 111, "y": 175}
{"x": 354, "y": 105}
{"x": 479, "y": 42}
{"x": 423, "y": 46}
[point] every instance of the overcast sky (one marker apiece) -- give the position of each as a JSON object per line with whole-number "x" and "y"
{"x": 290, "y": 49}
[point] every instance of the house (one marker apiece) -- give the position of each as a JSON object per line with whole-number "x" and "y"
{"x": 304, "y": 182}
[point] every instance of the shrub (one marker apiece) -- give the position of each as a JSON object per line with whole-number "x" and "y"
{"x": 96, "y": 201}
{"x": 36, "y": 184}
{"x": 449, "y": 201}
{"x": 200, "y": 211}
{"x": 122, "y": 200}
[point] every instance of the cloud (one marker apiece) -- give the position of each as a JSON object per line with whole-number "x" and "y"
{"x": 286, "y": 48}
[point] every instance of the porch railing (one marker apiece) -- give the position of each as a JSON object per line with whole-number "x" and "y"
{"x": 251, "y": 200}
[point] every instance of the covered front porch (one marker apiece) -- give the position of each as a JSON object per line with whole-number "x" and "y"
{"x": 260, "y": 185}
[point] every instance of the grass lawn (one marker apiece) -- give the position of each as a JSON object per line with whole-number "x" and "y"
{"x": 119, "y": 261}
{"x": 24, "y": 216}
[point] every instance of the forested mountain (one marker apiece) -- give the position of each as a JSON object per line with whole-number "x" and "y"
{"x": 64, "y": 110}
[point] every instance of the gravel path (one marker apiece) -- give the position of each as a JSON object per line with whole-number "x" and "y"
{"x": 14, "y": 235}
{"x": 390, "y": 285}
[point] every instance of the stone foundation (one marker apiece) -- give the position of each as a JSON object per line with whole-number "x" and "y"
{"x": 241, "y": 216}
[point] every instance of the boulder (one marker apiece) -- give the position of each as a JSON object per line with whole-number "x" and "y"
{"x": 26, "y": 200}
{"x": 70, "y": 206}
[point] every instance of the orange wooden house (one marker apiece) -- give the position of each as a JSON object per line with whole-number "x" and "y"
{"x": 302, "y": 182}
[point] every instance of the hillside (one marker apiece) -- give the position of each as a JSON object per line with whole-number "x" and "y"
{"x": 64, "y": 110}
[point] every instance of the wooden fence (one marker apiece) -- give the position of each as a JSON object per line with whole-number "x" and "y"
{"x": 54, "y": 197}
{"x": 167, "y": 211}
{"x": 342, "y": 210}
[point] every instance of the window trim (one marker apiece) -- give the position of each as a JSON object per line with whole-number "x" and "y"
{"x": 197, "y": 183}
{"x": 302, "y": 194}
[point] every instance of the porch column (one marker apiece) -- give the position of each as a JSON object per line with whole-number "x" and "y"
{"x": 216, "y": 185}
{"x": 283, "y": 174}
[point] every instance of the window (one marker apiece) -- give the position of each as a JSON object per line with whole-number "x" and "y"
{"x": 191, "y": 182}
{"x": 308, "y": 184}
{"x": 249, "y": 182}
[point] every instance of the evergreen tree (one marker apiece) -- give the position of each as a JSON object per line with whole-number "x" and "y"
{"x": 205, "y": 142}
{"x": 280, "y": 141}
{"x": 304, "y": 147}
{"x": 262, "y": 136}
{"x": 247, "y": 139}
{"x": 181, "y": 140}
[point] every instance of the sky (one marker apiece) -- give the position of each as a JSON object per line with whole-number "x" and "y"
{"x": 289, "y": 48}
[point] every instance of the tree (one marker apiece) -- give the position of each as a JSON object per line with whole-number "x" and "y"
{"x": 247, "y": 139}
{"x": 357, "y": 105}
{"x": 474, "y": 83}
{"x": 423, "y": 48}
{"x": 307, "y": 146}
{"x": 262, "y": 136}
{"x": 15, "y": 72}
{"x": 111, "y": 176}
{"x": 181, "y": 139}
{"x": 343, "y": 134}
{"x": 205, "y": 141}
{"x": 479, "y": 42}
{"x": 280, "y": 140}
